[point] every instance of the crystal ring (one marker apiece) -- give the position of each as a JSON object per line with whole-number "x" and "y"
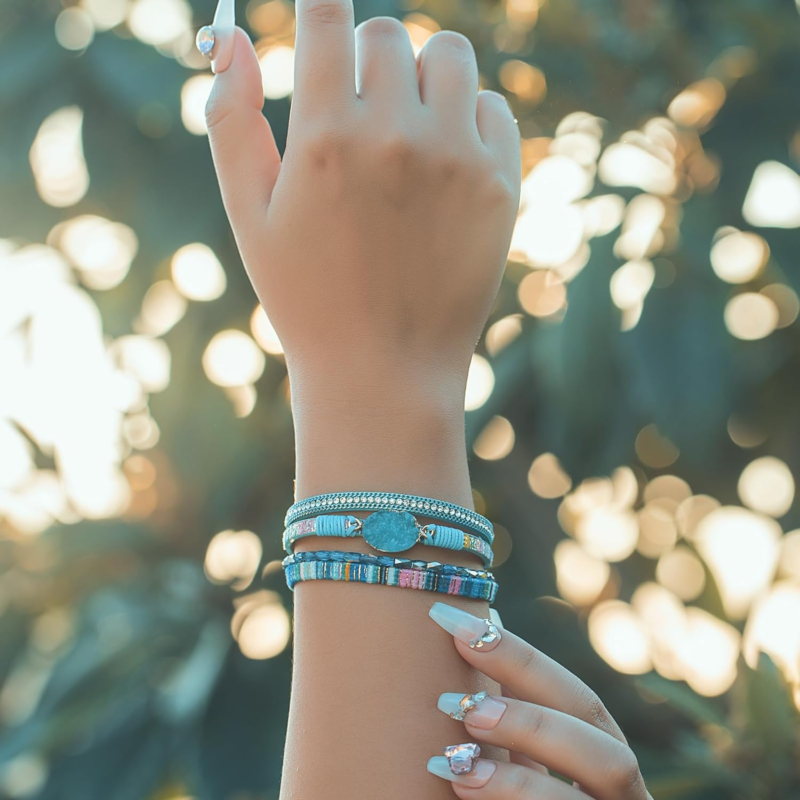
{"x": 467, "y": 703}
{"x": 205, "y": 41}
{"x": 492, "y": 634}
{"x": 462, "y": 757}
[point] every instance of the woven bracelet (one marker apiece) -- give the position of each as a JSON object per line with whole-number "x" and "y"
{"x": 391, "y": 501}
{"x": 386, "y": 571}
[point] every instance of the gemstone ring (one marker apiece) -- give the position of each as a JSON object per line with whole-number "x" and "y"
{"x": 462, "y": 757}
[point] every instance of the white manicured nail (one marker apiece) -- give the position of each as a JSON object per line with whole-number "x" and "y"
{"x": 479, "y": 634}
{"x": 215, "y": 41}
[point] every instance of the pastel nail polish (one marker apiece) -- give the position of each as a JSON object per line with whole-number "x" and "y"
{"x": 485, "y": 714}
{"x": 479, "y": 634}
{"x": 477, "y": 777}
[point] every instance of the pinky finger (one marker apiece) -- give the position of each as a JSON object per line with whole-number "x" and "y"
{"x": 499, "y": 132}
{"x": 494, "y": 780}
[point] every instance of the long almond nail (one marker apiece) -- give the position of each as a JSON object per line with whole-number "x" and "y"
{"x": 479, "y": 634}
{"x": 215, "y": 41}
{"x": 478, "y": 776}
{"x": 480, "y": 711}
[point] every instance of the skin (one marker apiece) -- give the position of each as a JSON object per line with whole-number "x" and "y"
{"x": 377, "y": 245}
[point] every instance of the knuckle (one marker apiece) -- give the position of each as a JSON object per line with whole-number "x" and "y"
{"x": 500, "y": 191}
{"x": 596, "y": 712}
{"x": 325, "y": 144}
{"x": 625, "y": 774}
{"x": 533, "y": 723}
{"x": 521, "y": 782}
{"x": 397, "y": 148}
{"x": 526, "y": 660}
{"x": 382, "y": 26}
{"x": 450, "y": 164}
{"x": 216, "y": 111}
{"x": 327, "y": 12}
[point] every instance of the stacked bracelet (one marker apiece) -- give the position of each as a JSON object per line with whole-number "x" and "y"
{"x": 391, "y": 501}
{"x": 387, "y": 571}
{"x": 388, "y": 532}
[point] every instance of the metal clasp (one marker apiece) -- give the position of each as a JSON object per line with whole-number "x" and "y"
{"x": 356, "y": 526}
{"x": 426, "y": 532}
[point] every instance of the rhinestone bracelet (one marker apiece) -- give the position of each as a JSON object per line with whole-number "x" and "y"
{"x": 388, "y": 532}
{"x": 390, "y": 501}
{"x": 404, "y": 573}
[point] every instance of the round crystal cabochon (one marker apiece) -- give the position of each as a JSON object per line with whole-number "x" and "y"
{"x": 390, "y": 531}
{"x": 205, "y": 40}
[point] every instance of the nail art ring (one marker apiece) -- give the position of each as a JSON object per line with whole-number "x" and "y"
{"x": 492, "y": 634}
{"x": 462, "y": 757}
{"x": 467, "y": 703}
{"x": 215, "y": 41}
{"x": 205, "y": 41}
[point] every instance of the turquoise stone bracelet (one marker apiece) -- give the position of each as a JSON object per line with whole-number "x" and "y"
{"x": 388, "y": 532}
{"x": 391, "y": 501}
{"x": 404, "y": 573}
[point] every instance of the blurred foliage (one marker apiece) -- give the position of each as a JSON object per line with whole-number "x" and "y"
{"x": 120, "y": 676}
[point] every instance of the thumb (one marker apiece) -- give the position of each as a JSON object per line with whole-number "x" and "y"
{"x": 245, "y": 155}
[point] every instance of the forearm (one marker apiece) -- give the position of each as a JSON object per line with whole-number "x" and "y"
{"x": 369, "y": 664}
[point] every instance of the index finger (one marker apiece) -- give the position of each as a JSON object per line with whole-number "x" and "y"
{"x": 324, "y": 66}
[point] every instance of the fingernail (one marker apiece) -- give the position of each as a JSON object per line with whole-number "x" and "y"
{"x": 215, "y": 41}
{"x": 485, "y": 714}
{"x": 494, "y": 615}
{"x": 479, "y": 634}
{"x": 478, "y": 776}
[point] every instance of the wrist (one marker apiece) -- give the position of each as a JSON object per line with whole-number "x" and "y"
{"x": 382, "y": 440}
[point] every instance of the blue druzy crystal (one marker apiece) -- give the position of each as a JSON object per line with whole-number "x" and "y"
{"x": 390, "y": 531}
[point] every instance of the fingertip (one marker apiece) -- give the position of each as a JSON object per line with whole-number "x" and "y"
{"x": 233, "y": 44}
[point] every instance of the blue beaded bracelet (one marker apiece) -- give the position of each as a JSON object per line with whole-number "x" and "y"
{"x": 391, "y": 501}
{"x": 389, "y": 532}
{"x": 404, "y": 573}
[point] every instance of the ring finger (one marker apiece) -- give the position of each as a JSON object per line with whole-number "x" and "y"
{"x": 448, "y": 79}
{"x": 385, "y": 65}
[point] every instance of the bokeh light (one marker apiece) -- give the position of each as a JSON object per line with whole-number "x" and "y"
{"x": 232, "y": 358}
{"x": 751, "y": 316}
{"x": 496, "y": 440}
{"x": 57, "y": 160}
{"x": 197, "y": 273}
{"x": 741, "y": 549}
{"x": 767, "y": 485}
{"x": 480, "y": 383}
{"x": 620, "y": 637}
{"x": 773, "y": 199}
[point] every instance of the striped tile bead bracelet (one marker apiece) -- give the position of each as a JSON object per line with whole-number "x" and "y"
{"x": 405, "y": 573}
{"x": 391, "y": 501}
{"x": 388, "y": 532}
